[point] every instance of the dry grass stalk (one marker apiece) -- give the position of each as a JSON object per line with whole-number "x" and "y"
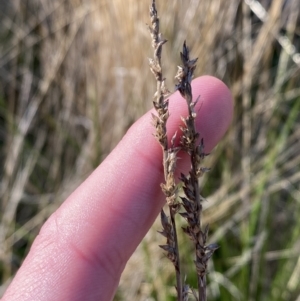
{"x": 169, "y": 152}
{"x": 188, "y": 143}
{"x": 192, "y": 201}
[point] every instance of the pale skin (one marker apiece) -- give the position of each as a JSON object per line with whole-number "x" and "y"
{"x": 83, "y": 247}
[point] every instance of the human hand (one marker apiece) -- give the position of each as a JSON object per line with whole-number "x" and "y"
{"x": 83, "y": 247}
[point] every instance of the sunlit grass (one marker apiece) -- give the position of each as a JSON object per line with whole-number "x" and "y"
{"x": 74, "y": 77}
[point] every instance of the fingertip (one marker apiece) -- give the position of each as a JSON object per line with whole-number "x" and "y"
{"x": 215, "y": 109}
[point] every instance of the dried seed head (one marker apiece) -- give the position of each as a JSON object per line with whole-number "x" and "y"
{"x": 170, "y": 247}
{"x": 185, "y": 74}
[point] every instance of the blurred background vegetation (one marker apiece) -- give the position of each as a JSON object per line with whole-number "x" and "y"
{"x": 74, "y": 76}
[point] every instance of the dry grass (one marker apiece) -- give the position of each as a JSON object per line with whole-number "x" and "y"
{"x": 74, "y": 76}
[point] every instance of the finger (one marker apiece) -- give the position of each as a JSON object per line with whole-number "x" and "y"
{"x": 82, "y": 249}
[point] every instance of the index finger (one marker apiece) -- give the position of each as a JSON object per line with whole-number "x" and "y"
{"x": 82, "y": 249}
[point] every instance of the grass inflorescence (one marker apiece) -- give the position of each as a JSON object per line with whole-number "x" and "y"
{"x": 169, "y": 151}
{"x": 189, "y": 143}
